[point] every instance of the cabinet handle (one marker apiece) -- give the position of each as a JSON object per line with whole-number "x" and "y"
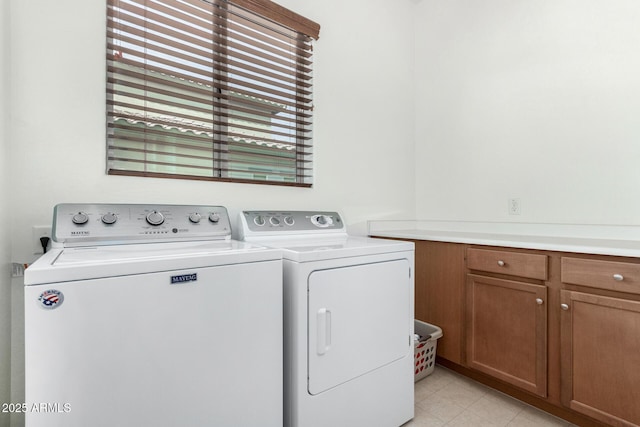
{"x": 539, "y": 301}
{"x": 565, "y": 307}
{"x": 618, "y": 277}
{"x": 501, "y": 263}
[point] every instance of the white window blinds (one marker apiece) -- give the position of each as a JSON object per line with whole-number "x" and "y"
{"x": 216, "y": 90}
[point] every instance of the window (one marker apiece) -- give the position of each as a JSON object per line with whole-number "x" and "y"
{"x": 218, "y": 90}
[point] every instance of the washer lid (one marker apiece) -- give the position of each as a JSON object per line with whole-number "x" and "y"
{"x": 67, "y": 264}
{"x": 308, "y": 249}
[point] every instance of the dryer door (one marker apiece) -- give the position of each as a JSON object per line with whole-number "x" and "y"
{"x": 359, "y": 320}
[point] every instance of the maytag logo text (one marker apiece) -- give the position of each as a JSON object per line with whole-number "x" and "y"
{"x": 183, "y": 278}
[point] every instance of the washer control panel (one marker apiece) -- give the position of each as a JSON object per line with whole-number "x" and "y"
{"x": 82, "y": 224}
{"x": 291, "y": 222}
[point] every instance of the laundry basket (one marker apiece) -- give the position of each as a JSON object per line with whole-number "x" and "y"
{"x": 425, "y": 343}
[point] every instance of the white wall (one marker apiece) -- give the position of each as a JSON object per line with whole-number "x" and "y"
{"x": 363, "y": 129}
{"x": 532, "y": 99}
{"x": 5, "y": 257}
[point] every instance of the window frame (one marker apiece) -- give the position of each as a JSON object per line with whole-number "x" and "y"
{"x": 270, "y": 157}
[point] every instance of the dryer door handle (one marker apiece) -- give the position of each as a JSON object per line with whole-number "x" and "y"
{"x": 324, "y": 331}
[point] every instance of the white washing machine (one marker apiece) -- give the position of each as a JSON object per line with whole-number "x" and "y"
{"x": 152, "y": 316}
{"x": 348, "y": 320}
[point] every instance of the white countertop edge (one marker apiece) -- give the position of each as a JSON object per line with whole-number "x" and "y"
{"x": 626, "y": 248}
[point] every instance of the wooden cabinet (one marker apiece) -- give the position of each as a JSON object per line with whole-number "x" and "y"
{"x": 507, "y": 331}
{"x": 506, "y": 319}
{"x": 600, "y": 341}
{"x": 501, "y": 311}
{"x": 439, "y": 296}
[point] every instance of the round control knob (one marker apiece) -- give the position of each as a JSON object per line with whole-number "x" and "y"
{"x": 195, "y": 217}
{"x": 155, "y": 218}
{"x": 109, "y": 218}
{"x": 80, "y": 218}
{"x": 274, "y": 221}
{"x": 259, "y": 220}
{"x": 214, "y": 217}
{"x": 322, "y": 220}
{"x": 289, "y": 220}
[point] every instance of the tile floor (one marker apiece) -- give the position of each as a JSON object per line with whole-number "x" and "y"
{"x": 446, "y": 398}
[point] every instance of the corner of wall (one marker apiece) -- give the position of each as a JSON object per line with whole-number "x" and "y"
{"x": 5, "y": 253}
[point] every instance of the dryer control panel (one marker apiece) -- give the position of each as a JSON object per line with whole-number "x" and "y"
{"x": 277, "y": 223}
{"x": 85, "y": 224}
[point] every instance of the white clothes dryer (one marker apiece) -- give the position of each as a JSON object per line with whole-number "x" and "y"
{"x": 348, "y": 320}
{"x": 152, "y": 316}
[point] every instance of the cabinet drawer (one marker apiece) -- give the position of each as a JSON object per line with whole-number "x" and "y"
{"x": 612, "y": 275}
{"x": 532, "y": 266}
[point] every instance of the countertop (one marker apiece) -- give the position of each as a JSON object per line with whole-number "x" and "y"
{"x": 618, "y": 240}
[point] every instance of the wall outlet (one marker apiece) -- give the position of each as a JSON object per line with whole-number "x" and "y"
{"x": 38, "y": 232}
{"x": 515, "y": 208}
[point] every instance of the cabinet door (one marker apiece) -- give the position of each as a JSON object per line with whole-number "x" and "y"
{"x": 507, "y": 331}
{"x": 600, "y": 357}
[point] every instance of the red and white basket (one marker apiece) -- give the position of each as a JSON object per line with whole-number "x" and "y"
{"x": 425, "y": 345}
